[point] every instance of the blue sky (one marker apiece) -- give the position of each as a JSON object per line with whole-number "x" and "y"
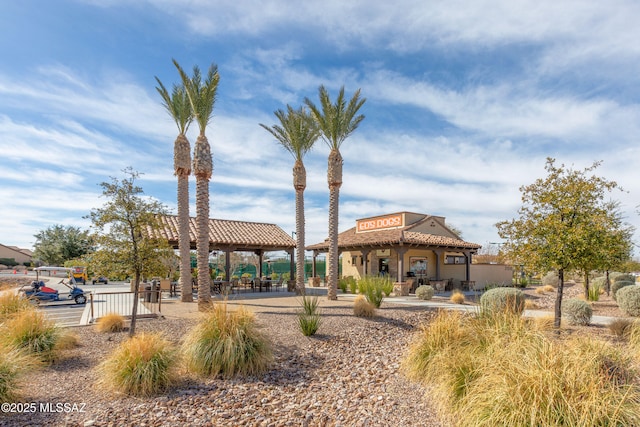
{"x": 465, "y": 100}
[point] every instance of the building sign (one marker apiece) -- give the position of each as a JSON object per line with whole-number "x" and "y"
{"x": 379, "y": 223}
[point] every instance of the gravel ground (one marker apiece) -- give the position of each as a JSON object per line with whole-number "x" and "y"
{"x": 346, "y": 375}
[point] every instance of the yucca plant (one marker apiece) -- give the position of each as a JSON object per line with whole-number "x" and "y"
{"x": 309, "y": 318}
{"x": 309, "y": 305}
{"x": 143, "y": 365}
{"x": 228, "y": 343}
{"x": 309, "y": 325}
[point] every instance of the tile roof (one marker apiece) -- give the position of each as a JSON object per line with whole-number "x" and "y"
{"x": 392, "y": 237}
{"x": 228, "y": 233}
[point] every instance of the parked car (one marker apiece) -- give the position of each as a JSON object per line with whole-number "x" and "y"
{"x": 100, "y": 279}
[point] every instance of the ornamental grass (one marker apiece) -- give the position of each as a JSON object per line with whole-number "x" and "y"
{"x": 110, "y": 322}
{"x": 32, "y": 332}
{"x": 363, "y": 308}
{"x": 14, "y": 364}
{"x": 227, "y": 342}
{"x": 499, "y": 369}
{"x": 143, "y": 365}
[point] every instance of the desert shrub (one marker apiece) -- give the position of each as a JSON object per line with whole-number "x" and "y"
{"x": 228, "y": 343}
{"x": 620, "y": 327}
{"x": 616, "y": 286}
{"x": 11, "y": 304}
{"x": 31, "y": 331}
{"x": 628, "y": 299}
{"x": 457, "y": 297}
{"x": 500, "y": 369}
{"x": 550, "y": 279}
{"x": 502, "y": 299}
{"x": 362, "y": 307}
{"x": 110, "y": 322}
{"x": 372, "y": 288}
{"x": 309, "y": 318}
{"x": 540, "y": 290}
{"x": 424, "y": 292}
{"x": 141, "y": 366}
{"x": 626, "y": 277}
{"x": 14, "y": 364}
{"x": 577, "y": 311}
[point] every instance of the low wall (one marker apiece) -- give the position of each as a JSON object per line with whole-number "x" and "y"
{"x": 484, "y": 274}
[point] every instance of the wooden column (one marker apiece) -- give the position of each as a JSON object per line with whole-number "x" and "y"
{"x": 365, "y": 263}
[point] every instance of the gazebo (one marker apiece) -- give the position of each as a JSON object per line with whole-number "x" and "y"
{"x": 234, "y": 236}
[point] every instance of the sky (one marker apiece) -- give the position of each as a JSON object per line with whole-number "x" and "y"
{"x": 465, "y": 100}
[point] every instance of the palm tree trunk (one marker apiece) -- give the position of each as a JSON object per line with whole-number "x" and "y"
{"x": 299, "y": 183}
{"x": 184, "y": 244}
{"x": 202, "y": 168}
{"x": 334, "y": 178}
{"x": 182, "y": 166}
{"x": 300, "y": 242}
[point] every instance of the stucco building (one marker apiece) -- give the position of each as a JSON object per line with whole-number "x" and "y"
{"x": 405, "y": 245}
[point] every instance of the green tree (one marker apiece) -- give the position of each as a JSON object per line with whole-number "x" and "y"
{"x": 178, "y": 106}
{"x": 297, "y": 133}
{"x": 606, "y": 243}
{"x": 202, "y": 98}
{"x": 556, "y": 221}
{"x": 337, "y": 121}
{"x": 124, "y": 229}
{"x": 60, "y": 243}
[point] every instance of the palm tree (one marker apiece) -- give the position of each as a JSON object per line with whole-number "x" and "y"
{"x": 202, "y": 97}
{"x": 177, "y": 104}
{"x": 297, "y": 133}
{"x": 336, "y": 121}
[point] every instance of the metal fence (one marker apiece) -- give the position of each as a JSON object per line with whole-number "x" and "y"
{"x": 149, "y": 304}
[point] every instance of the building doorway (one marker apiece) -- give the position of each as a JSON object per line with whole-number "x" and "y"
{"x": 383, "y": 266}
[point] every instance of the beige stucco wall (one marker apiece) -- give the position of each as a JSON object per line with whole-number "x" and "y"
{"x": 6, "y": 252}
{"x": 434, "y": 226}
{"x": 491, "y": 273}
{"x": 447, "y": 271}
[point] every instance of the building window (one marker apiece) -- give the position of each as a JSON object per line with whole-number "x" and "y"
{"x": 454, "y": 259}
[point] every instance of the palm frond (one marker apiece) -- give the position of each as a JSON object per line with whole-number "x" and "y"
{"x": 202, "y": 95}
{"x": 297, "y": 131}
{"x": 338, "y": 120}
{"x": 177, "y": 105}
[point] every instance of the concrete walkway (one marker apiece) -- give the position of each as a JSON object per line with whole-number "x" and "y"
{"x": 271, "y": 301}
